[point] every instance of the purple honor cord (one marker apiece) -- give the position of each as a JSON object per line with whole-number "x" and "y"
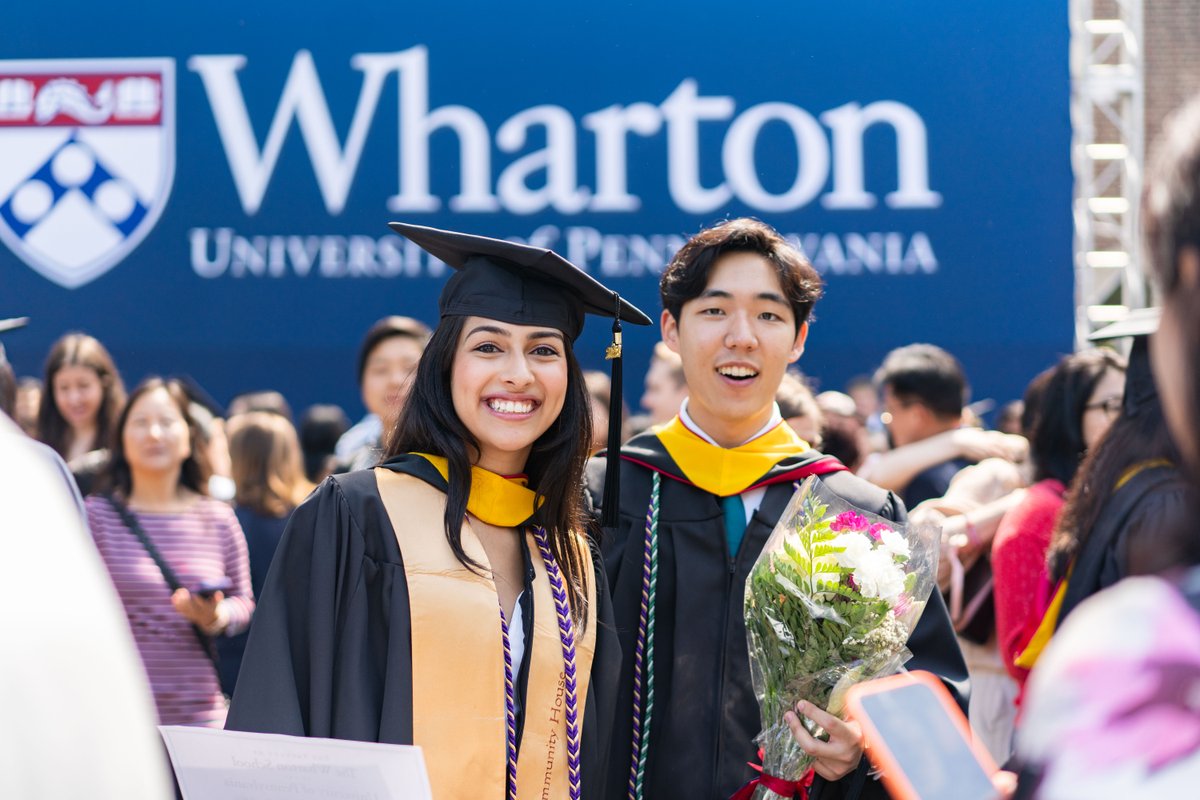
{"x": 566, "y": 632}
{"x": 510, "y": 712}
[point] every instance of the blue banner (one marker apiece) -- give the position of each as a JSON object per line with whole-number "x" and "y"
{"x": 207, "y": 190}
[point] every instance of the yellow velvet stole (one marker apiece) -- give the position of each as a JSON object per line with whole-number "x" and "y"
{"x": 503, "y": 502}
{"x": 728, "y": 471}
{"x": 458, "y": 658}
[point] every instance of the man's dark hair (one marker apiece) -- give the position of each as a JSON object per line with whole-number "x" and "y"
{"x": 385, "y": 329}
{"x": 925, "y": 374}
{"x": 686, "y": 277}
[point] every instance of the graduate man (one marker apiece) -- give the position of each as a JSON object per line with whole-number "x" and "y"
{"x": 698, "y": 499}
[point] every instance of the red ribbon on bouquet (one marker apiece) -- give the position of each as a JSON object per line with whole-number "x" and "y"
{"x": 777, "y": 785}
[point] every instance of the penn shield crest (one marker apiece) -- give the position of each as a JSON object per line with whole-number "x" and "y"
{"x": 89, "y": 159}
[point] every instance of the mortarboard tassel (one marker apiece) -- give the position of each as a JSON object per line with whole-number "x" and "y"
{"x": 616, "y": 403}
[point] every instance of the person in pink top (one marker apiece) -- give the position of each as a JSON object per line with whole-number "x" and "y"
{"x": 1067, "y": 409}
{"x": 177, "y": 557}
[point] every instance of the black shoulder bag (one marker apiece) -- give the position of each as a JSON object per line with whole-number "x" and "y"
{"x": 131, "y": 522}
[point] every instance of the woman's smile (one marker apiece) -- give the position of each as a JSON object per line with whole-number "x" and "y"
{"x": 508, "y": 383}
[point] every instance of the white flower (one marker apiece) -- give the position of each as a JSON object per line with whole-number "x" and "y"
{"x": 894, "y": 544}
{"x": 878, "y": 575}
{"x": 855, "y": 548}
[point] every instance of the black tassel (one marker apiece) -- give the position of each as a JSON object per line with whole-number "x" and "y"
{"x": 616, "y": 403}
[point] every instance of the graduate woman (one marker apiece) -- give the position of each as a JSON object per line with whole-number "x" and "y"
{"x": 450, "y": 598}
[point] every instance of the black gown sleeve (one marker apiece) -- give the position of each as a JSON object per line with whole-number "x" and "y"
{"x": 1159, "y": 534}
{"x": 329, "y": 653}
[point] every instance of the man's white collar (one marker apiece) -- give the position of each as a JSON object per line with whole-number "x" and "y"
{"x": 686, "y": 419}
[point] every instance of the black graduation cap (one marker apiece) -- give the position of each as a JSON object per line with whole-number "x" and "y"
{"x": 516, "y": 283}
{"x": 525, "y": 285}
{"x": 1139, "y": 378}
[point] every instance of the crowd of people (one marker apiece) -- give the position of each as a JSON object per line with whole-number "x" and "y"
{"x": 300, "y": 579}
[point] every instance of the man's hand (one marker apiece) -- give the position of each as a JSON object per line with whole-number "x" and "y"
{"x": 836, "y": 758}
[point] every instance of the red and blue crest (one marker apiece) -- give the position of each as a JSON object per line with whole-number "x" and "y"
{"x": 89, "y": 159}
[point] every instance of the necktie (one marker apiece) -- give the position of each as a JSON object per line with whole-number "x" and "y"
{"x": 735, "y": 522}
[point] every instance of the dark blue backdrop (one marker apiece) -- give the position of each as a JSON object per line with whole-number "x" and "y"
{"x": 983, "y": 270}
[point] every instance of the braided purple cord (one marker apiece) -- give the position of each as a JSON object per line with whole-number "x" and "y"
{"x": 566, "y": 630}
{"x": 510, "y": 711}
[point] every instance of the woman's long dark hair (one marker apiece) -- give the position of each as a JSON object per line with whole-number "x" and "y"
{"x": 429, "y": 424}
{"x": 79, "y": 350}
{"x": 1130, "y": 441}
{"x": 1057, "y": 403}
{"x": 194, "y": 474}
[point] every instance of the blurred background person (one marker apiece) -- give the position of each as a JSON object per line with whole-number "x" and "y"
{"x": 29, "y": 399}
{"x": 864, "y": 392}
{"x": 1008, "y": 418}
{"x": 1111, "y": 705}
{"x": 82, "y": 396}
{"x": 843, "y": 435}
{"x": 599, "y": 388}
{"x": 924, "y": 391}
{"x": 265, "y": 400}
{"x": 209, "y": 420}
{"x": 169, "y": 547}
{"x": 666, "y": 387}
{"x": 947, "y": 475}
{"x": 387, "y": 359}
{"x": 321, "y": 426}
{"x": 8, "y": 385}
{"x": 799, "y": 408}
{"x": 1128, "y": 496}
{"x": 269, "y": 475}
{"x": 1065, "y": 415}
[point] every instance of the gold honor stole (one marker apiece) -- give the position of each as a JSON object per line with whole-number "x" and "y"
{"x": 458, "y": 695}
{"x": 728, "y": 471}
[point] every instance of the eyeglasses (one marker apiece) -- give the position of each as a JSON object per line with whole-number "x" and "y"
{"x": 1110, "y": 405}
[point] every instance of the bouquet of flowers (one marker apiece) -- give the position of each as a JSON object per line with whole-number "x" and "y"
{"x": 830, "y": 602}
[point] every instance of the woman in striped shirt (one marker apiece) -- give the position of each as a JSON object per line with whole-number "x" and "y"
{"x": 157, "y": 481}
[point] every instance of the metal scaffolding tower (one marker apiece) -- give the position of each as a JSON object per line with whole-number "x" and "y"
{"x": 1107, "y": 151}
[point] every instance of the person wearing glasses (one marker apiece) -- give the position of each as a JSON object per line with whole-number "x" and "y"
{"x": 1067, "y": 408}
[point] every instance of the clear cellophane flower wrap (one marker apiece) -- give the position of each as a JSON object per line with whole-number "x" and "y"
{"x": 829, "y": 603}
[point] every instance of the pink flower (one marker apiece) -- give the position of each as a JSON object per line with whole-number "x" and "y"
{"x": 902, "y": 605}
{"x": 877, "y": 531}
{"x": 849, "y": 521}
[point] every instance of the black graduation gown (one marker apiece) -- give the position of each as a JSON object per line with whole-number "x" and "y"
{"x": 705, "y": 715}
{"x": 1136, "y": 533}
{"x": 330, "y": 651}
